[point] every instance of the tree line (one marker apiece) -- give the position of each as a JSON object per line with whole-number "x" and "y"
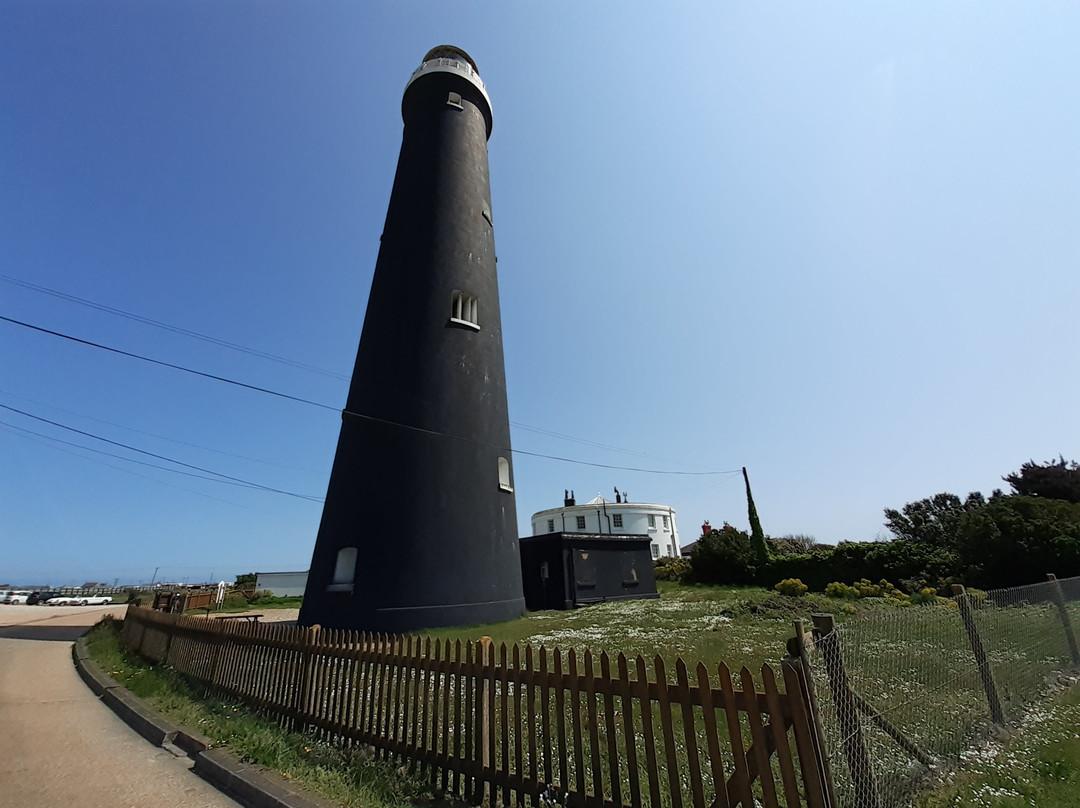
{"x": 985, "y": 542}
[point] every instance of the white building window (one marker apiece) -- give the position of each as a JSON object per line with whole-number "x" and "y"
{"x": 652, "y": 521}
{"x": 551, "y": 525}
{"x": 464, "y": 310}
{"x": 344, "y": 571}
{"x": 581, "y": 523}
{"x": 665, "y": 522}
{"x": 617, "y": 520}
{"x": 655, "y": 552}
{"x": 504, "y": 475}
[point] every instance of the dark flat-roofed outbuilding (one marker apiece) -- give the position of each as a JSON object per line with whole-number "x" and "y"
{"x": 566, "y": 570}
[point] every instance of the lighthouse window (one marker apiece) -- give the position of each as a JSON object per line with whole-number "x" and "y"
{"x": 504, "y": 475}
{"x": 617, "y": 520}
{"x": 454, "y": 100}
{"x": 344, "y": 571}
{"x": 464, "y": 310}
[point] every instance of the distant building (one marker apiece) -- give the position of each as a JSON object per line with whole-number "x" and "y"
{"x": 619, "y": 518}
{"x": 282, "y": 584}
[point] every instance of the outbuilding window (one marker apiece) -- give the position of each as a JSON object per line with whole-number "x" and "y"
{"x": 581, "y": 523}
{"x": 617, "y": 520}
{"x": 551, "y": 525}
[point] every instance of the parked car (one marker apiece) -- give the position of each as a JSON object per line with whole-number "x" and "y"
{"x": 17, "y": 596}
{"x": 94, "y": 600}
{"x": 78, "y": 600}
{"x": 40, "y": 597}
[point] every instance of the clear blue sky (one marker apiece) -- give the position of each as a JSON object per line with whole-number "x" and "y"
{"x": 837, "y": 244}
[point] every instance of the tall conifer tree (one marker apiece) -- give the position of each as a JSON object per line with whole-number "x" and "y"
{"x": 757, "y": 535}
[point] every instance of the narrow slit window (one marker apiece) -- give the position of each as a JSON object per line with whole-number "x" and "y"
{"x": 504, "y": 475}
{"x": 464, "y": 310}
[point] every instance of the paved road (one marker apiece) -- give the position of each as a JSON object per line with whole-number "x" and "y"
{"x": 59, "y": 745}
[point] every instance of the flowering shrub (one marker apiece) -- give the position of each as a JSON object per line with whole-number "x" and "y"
{"x": 791, "y": 586}
{"x": 672, "y": 569}
{"x": 839, "y": 590}
{"x": 925, "y": 596}
{"x": 863, "y": 588}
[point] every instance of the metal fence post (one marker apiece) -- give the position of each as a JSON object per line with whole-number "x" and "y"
{"x": 986, "y": 673}
{"x": 1059, "y": 601}
{"x": 858, "y": 759}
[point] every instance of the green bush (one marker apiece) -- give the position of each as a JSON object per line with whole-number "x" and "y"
{"x": 897, "y": 560}
{"x": 926, "y": 596}
{"x": 672, "y": 569}
{"x": 839, "y": 590}
{"x": 234, "y": 600}
{"x": 791, "y": 586}
{"x": 723, "y": 557}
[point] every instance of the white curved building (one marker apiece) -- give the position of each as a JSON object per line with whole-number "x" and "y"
{"x": 618, "y": 518}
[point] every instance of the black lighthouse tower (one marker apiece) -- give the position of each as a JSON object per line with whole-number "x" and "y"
{"x": 419, "y": 528}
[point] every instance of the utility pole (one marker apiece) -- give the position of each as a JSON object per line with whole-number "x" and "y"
{"x": 155, "y": 575}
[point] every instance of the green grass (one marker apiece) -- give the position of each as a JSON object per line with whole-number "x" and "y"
{"x": 912, "y": 662}
{"x": 350, "y": 777}
{"x": 1035, "y": 764}
{"x": 737, "y": 625}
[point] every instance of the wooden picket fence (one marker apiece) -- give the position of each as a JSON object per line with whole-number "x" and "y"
{"x": 517, "y": 725}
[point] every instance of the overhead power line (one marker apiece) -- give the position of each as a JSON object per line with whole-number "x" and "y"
{"x": 168, "y": 364}
{"x": 301, "y": 400}
{"x": 216, "y": 474}
{"x": 266, "y": 355}
{"x": 41, "y": 437}
{"x": 321, "y": 473}
{"x": 169, "y": 327}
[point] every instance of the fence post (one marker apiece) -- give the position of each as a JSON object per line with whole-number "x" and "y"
{"x": 858, "y": 759}
{"x": 1059, "y": 600}
{"x": 302, "y": 696}
{"x": 484, "y": 696}
{"x": 986, "y": 673}
{"x": 797, "y": 650}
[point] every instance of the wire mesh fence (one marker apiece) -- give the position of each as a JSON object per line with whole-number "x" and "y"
{"x": 904, "y": 694}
